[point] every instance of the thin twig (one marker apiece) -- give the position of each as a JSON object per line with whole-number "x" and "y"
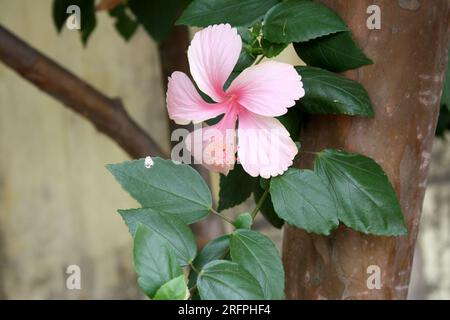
{"x": 259, "y": 59}
{"x": 260, "y": 203}
{"x": 223, "y": 217}
{"x": 106, "y": 114}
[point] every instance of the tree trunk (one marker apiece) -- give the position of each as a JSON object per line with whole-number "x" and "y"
{"x": 405, "y": 84}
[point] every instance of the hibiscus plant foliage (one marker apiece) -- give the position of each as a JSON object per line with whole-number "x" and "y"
{"x": 342, "y": 188}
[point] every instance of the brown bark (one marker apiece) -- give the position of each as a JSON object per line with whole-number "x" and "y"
{"x": 106, "y": 114}
{"x": 173, "y": 56}
{"x": 405, "y": 84}
{"x": 106, "y": 5}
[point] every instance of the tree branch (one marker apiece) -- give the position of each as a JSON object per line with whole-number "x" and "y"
{"x": 106, "y": 114}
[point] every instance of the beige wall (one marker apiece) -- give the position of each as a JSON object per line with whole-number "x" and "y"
{"x": 57, "y": 201}
{"x": 431, "y": 270}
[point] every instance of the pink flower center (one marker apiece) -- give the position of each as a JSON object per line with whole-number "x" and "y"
{"x": 219, "y": 151}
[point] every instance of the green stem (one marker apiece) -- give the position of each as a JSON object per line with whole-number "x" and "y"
{"x": 259, "y": 59}
{"x": 222, "y": 216}
{"x": 260, "y": 203}
{"x": 193, "y": 268}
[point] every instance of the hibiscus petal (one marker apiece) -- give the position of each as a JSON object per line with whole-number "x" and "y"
{"x": 264, "y": 146}
{"x": 213, "y": 53}
{"x": 184, "y": 103}
{"x": 215, "y": 146}
{"x": 268, "y": 89}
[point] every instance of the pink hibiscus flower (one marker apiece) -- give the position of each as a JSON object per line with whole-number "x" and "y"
{"x": 260, "y": 93}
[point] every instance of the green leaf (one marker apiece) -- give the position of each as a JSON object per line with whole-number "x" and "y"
{"x": 125, "y": 24}
{"x": 259, "y": 256}
{"x": 264, "y": 183}
{"x": 88, "y": 19}
{"x": 271, "y": 49}
{"x": 337, "y": 52}
{"x": 229, "y": 194}
{"x": 225, "y": 280}
{"x": 172, "y": 229}
{"x": 291, "y": 121}
{"x": 256, "y": 29}
{"x": 175, "y": 289}
{"x": 230, "y": 79}
{"x": 154, "y": 261}
{"x": 327, "y": 92}
{"x": 156, "y": 16}
{"x": 246, "y": 59}
{"x": 243, "y": 221}
{"x": 365, "y": 198}
{"x": 217, "y": 249}
{"x": 246, "y": 35}
{"x": 202, "y": 13}
{"x": 59, "y": 12}
{"x": 215, "y": 120}
{"x": 267, "y": 209}
{"x": 300, "y": 20}
{"x": 302, "y": 199}
{"x": 175, "y": 189}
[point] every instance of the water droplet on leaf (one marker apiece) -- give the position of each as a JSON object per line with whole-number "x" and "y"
{"x": 148, "y": 162}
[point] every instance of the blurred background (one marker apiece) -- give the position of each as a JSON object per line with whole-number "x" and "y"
{"x": 57, "y": 201}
